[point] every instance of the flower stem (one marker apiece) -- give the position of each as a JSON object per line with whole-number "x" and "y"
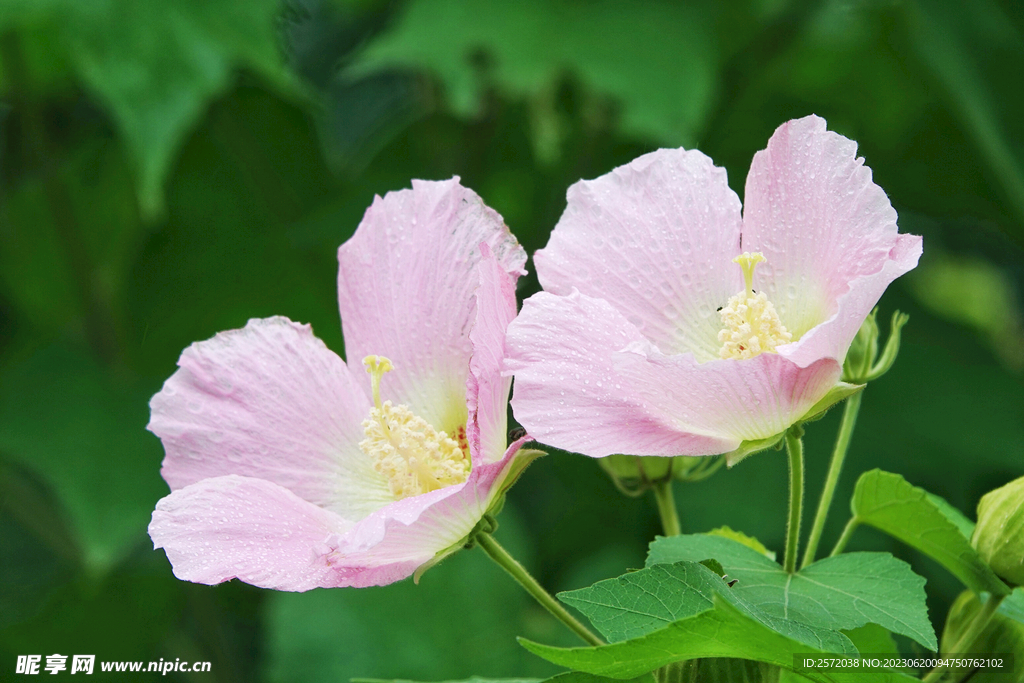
{"x": 519, "y": 573}
{"x": 968, "y": 639}
{"x": 795, "y": 448}
{"x": 835, "y": 467}
{"x": 667, "y": 507}
{"x": 851, "y": 526}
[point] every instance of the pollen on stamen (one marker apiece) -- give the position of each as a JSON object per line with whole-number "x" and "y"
{"x": 751, "y": 323}
{"x": 405, "y": 449}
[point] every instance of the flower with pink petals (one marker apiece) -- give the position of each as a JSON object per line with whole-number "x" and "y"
{"x": 292, "y": 469}
{"x": 672, "y": 325}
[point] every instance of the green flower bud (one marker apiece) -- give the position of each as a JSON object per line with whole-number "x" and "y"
{"x": 999, "y": 534}
{"x": 863, "y": 362}
{"x": 634, "y": 474}
{"x": 863, "y": 351}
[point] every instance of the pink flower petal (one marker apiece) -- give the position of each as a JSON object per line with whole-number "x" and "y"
{"x": 743, "y": 400}
{"x": 393, "y": 542}
{"x": 832, "y": 338}
{"x": 812, "y": 209}
{"x": 655, "y": 239}
{"x": 250, "y": 529}
{"x": 406, "y": 288}
{"x": 576, "y": 386}
{"x": 486, "y": 390}
{"x": 269, "y": 401}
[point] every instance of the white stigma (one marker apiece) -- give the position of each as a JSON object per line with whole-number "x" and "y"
{"x": 751, "y": 324}
{"x": 405, "y": 449}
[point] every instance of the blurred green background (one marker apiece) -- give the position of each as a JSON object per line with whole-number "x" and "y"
{"x": 171, "y": 169}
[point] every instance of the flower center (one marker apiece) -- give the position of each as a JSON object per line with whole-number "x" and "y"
{"x": 751, "y": 324}
{"x": 414, "y": 457}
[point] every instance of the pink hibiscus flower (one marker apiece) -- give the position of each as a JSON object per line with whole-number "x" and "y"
{"x": 291, "y": 469}
{"x": 672, "y": 325}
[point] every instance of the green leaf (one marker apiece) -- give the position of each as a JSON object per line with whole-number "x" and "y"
{"x": 975, "y": 54}
{"x": 84, "y": 432}
{"x": 740, "y": 537}
{"x": 638, "y": 603}
{"x": 724, "y": 631}
{"x": 1003, "y": 635}
{"x": 872, "y": 638}
{"x": 891, "y": 504}
{"x": 156, "y": 66}
{"x": 655, "y": 57}
{"x": 843, "y": 592}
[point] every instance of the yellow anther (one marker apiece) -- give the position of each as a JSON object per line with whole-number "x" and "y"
{"x": 414, "y": 457}
{"x": 751, "y": 323}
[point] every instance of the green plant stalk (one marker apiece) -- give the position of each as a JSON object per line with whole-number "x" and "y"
{"x": 848, "y": 530}
{"x": 667, "y": 507}
{"x": 969, "y": 638}
{"x": 835, "y": 468}
{"x": 519, "y": 573}
{"x": 795, "y": 448}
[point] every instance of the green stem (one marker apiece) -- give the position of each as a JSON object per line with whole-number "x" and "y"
{"x": 851, "y": 526}
{"x": 795, "y": 448}
{"x": 968, "y": 640}
{"x": 835, "y": 467}
{"x": 667, "y": 507}
{"x": 519, "y": 573}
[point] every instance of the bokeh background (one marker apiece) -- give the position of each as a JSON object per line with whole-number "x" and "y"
{"x": 171, "y": 169}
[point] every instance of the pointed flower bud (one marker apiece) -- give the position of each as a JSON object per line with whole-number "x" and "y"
{"x": 999, "y": 534}
{"x": 863, "y": 362}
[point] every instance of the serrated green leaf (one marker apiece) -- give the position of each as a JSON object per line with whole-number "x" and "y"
{"x": 638, "y": 603}
{"x": 740, "y": 537}
{"x": 891, "y": 504}
{"x": 843, "y": 592}
{"x": 723, "y": 631}
{"x": 617, "y": 49}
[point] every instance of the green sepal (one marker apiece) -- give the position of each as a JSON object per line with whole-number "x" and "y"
{"x": 840, "y": 392}
{"x": 748, "y": 448}
{"x": 487, "y": 524}
{"x": 633, "y": 475}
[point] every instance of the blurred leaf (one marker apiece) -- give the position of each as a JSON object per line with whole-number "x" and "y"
{"x": 973, "y": 292}
{"x": 84, "y": 432}
{"x": 976, "y": 54}
{"x": 723, "y": 631}
{"x": 40, "y": 256}
{"x": 156, "y": 66}
{"x": 644, "y": 601}
{"x": 842, "y": 592}
{"x": 462, "y": 618}
{"x": 1003, "y": 635}
{"x": 657, "y": 58}
{"x": 888, "y": 502}
{"x": 123, "y": 617}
